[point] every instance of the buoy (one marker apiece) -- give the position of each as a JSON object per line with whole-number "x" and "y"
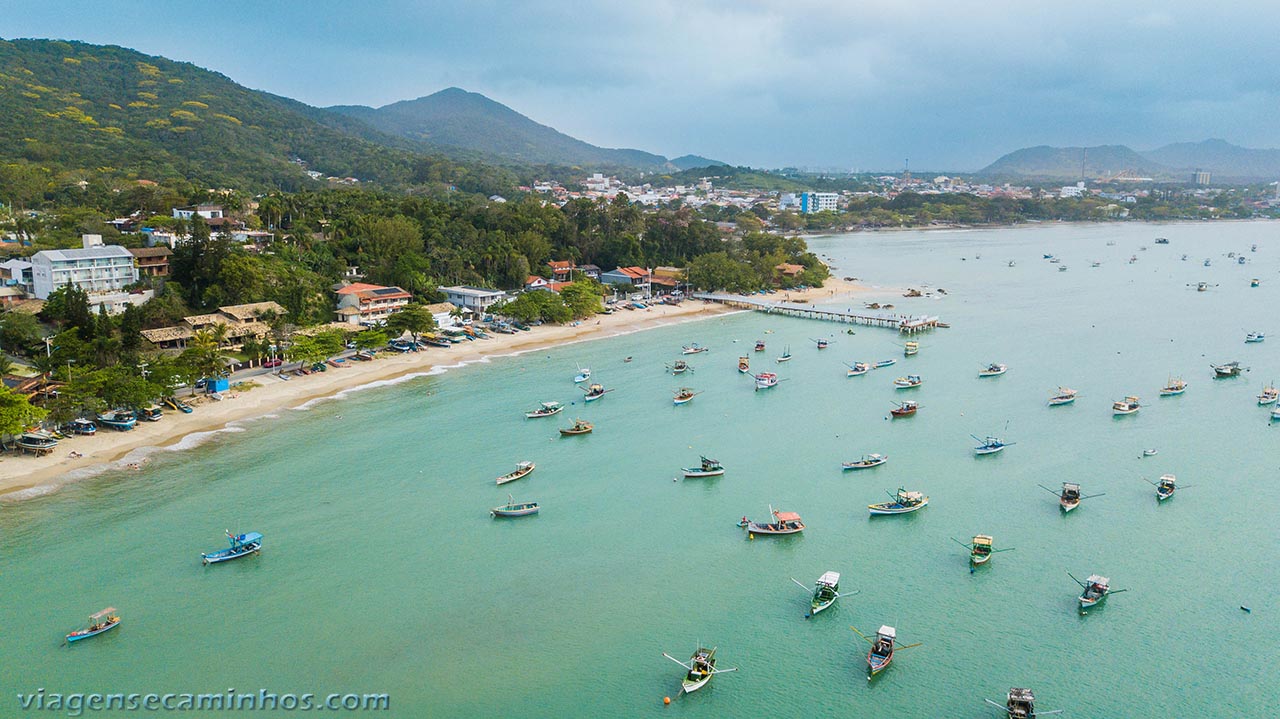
{"x": 751, "y": 535}
{"x": 666, "y": 700}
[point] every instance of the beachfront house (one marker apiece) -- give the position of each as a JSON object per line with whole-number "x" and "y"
{"x": 476, "y": 299}
{"x": 241, "y": 321}
{"x": 445, "y": 314}
{"x": 786, "y": 273}
{"x": 534, "y": 282}
{"x": 365, "y": 304}
{"x": 637, "y": 277}
{"x": 666, "y": 279}
{"x": 561, "y": 270}
{"x": 95, "y": 268}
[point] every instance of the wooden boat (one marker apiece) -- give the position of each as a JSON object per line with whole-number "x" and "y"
{"x": 901, "y": 502}
{"x": 1069, "y": 497}
{"x": 825, "y": 592}
{"x": 1269, "y": 395}
{"x": 885, "y": 363}
{"x": 868, "y": 461}
{"x": 784, "y": 523}
{"x": 1166, "y": 486}
{"x": 744, "y": 365}
{"x": 882, "y": 648}
{"x": 1065, "y": 395}
{"x": 39, "y": 441}
{"x": 1254, "y": 282}
{"x": 709, "y": 468}
{"x": 1021, "y": 703}
{"x": 546, "y": 410}
{"x": 1254, "y": 337}
{"x": 989, "y": 445}
{"x": 701, "y": 667}
{"x": 594, "y": 392}
{"x": 905, "y": 409}
{"x": 522, "y": 469}
{"x": 759, "y": 345}
{"x": 119, "y": 420}
{"x": 994, "y": 370}
{"x": 151, "y": 414}
{"x": 82, "y": 426}
{"x": 240, "y": 545}
{"x": 1096, "y": 589}
{"x": 786, "y": 355}
{"x": 521, "y": 326}
{"x": 584, "y": 374}
{"x": 181, "y": 406}
{"x": 684, "y": 395}
{"x": 99, "y": 622}
{"x": 822, "y": 342}
{"x": 693, "y": 349}
{"x": 908, "y": 382}
{"x": 680, "y": 367}
{"x": 1228, "y": 369}
{"x": 1150, "y": 452}
{"x": 910, "y": 348}
{"x": 580, "y": 426}
{"x": 980, "y": 549}
{"x": 765, "y": 380}
{"x": 857, "y": 369}
{"x": 437, "y": 342}
{"x": 514, "y": 509}
{"x": 1128, "y": 405}
{"x": 1175, "y": 386}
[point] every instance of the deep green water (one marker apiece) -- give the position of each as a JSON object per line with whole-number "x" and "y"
{"x": 383, "y": 572}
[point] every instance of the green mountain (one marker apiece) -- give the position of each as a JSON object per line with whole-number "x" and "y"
{"x": 689, "y": 162}
{"x": 1219, "y": 157}
{"x": 1071, "y": 163}
{"x": 94, "y": 110}
{"x": 457, "y": 120}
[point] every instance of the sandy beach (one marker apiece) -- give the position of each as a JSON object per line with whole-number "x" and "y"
{"x": 26, "y": 476}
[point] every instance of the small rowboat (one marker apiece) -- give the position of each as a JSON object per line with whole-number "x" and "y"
{"x": 693, "y": 349}
{"x": 882, "y": 647}
{"x": 579, "y": 427}
{"x": 744, "y": 365}
{"x": 680, "y": 367}
{"x": 1096, "y": 589}
{"x": 868, "y": 461}
{"x": 522, "y": 469}
{"x": 1065, "y": 395}
{"x": 709, "y": 468}
{"x": 784, "y": 523}
{"x": 857, "y": 369}
{"x": 594, "y": 392}
{"x": 822, "y": 342}
{"x": 546, "y": 410}
{"x": 701, "y": 667}
{"x": 905, "y": 409}
{"x": 901, "y": 502}
{"x": 886, "y": 363}
{"x": 989, "y": 445}
{"x": 241, "y": 545}
{"x": 1166, "y": 486}
{"x": 684, "y": 395}
{"x": 908, "y": 382}
{"x": 1128, "y": 405}
{"x": 825, "y": 592}
{"x": 980, "y": 549}
{"x": 759, "y": 345}
{"x": 99, "y": 622}
{"x": 514, "y": 509}
{"x": 994, "y": 370}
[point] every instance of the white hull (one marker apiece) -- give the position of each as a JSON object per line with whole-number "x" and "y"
{"x": 992, "y": 374}
{"x": 855, "y": 373}
{"x": 1056, "y": 402}
{"x": 903, "y": 510}
{"x": 690, "y": 474}
{"x": 1172, "y": 392}
{"x": 1119, "y": 412}
{"x": 818, "y": 609}
{"x": 592, "y": 397}
{"x": 686, "y": 400}
{"x": 987, "y": 450}
{"x": 1066, "y": 508}
{"x": 689, "y": 687}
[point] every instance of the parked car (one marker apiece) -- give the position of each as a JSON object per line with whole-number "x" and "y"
{"x": 273, "y": 362}
{"x": 200, "y": 383}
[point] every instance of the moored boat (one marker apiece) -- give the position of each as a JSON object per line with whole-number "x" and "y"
{"x": 900, "y": 502}
{"x": 1175, "y": 386}
{"x": 514, "y": 509}
{"x": 994, "y": 369}
{"x": 783, "y": 523}
{"x": 905, "y": 409}
{"x": 239, "y": 545}
{"x": 584, "y": 374}
{"x": 759, "y": 345}
{"x": 822, "y": 342}
{"x": 680, "y": 367}
{"x": 765, "y": 380}
{"x": 119, "y": 420}
{"x": 989, "y": 445}
{"x": 1128, "y": 405}
{"x": 1254, "y": 337}
{"x": 1228, "y": 369}
{"x": 39, "y": 441}
{"x": 882, "y": 648}
{"x": 1166, "y": 486}
{"x": 684, "y": 395}
{"x": 693, "y": 349}
{"x": 82, "y": 426}
{"x": 1069, "y": 497}
{"x": 857, "y": 369}
{"x": 546, "y": 410}
{"x": 744, "y": 365}
{"x": 701, "y": 667}
{"x": 910, "y": 348}
{"x": 1021, "y": 703}
{"x": 980, "y": 549}
{"x": 1254, "y": 282}
{"x": 594, "y": 392}
{"x": 885, "y": 363}
{"x": 708, "y": 468}
{"x": 99, "y": 622}
{"x": 825, "y": 592}
{"x": 522, "y": 469}
{"x": 868, "y": 461}
{"x": 1096, "y": 589}
{"x": 580, "y": 426}
{"x": 786, "y": 355}
{"x": 1065, "y": 395}
{"x": 1269, "y": 395}
{"x": 908, "y": 382}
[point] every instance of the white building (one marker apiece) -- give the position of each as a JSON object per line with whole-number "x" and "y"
{"x": 208, "y": 212}
{"x": 476, "y": 299}
{"x": 97, "y": 269}
{"x": 1076, "y": 190}
{"x": 818, "y": 201}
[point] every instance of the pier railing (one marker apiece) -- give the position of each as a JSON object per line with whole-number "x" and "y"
{"x": 906, "y": 324}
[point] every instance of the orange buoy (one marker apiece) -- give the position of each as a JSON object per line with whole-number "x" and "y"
{"x": 666, "y": 700}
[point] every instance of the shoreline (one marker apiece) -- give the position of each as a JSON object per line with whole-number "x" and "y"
{"x": 27, "y": 477}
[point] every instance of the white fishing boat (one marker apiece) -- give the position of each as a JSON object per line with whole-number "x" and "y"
{"x": 783, "y": 523}
{"x": 910, "y": 348}
{"x": 1128, "y": 405}
{"x": 786, "y": 355}
{"x": 684, "y": 395}
{"x": 989, "y": 445}
{"x": 1096, "y": 589}
{"x": 546, "y": 410}
{"x": 857, "y": 369}
{"x": 1228, "y": 369}
{"x": 1254, "y": 337}
{"x": 825, "y": 592}
{"x": 994, "y": 369}
{"x": 765, "y": 380}
{"x": 744, "y": 365}
{"x": 584, "y": 374}
{"x": 701, "y": 667}
{"x": 1065, "y": 395}
{"x": 708, "y": 468}
{"x": 867, "y": 462}
{"x": 1175, "y": 386}
{"x": 522, "y": 469}
{"x": 908, "y": 382}
{"x": 901, "y": 502}
{"x": 693, "y": 349}
{"x": 1269, "y": 395}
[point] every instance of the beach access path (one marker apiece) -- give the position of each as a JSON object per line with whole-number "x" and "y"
{"x": 25, "y": 476}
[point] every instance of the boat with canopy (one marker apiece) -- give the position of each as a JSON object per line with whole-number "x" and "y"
{"x": 994, "y": 369}
{"x": 857, "y": 369}
{"x": 1069, "y": 497}
{"x": 580, "y": 426}
{"x": 546, "y": 410}
{"x": 701, "y": 667}
{"x": 980, "y": 549}
{"x": 708, "y": 468}
{"x": 514, "y": 509}
{"x": 882, "y": 649}
{"x": 783, "y": 523}
{"x": 825, "y": 592}
{"x": 239, "y": 545}
{"x": 1065, "y": 395}
{"x": 684, "y": 395}
{"x": 522, "y": 469}
{"x": 901, "y": 502}
{"x": 99, "y": 622}
{"x": 867, "y": 462}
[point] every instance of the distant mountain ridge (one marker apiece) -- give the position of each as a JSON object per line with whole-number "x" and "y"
{"x": 1176, "y": 162}
{"x": 458, "y": 120}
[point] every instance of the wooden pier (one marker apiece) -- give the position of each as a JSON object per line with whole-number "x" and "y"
{"x": 906, "y": 324}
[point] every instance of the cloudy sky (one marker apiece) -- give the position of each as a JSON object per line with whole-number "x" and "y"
{"x": 861, "y": 84}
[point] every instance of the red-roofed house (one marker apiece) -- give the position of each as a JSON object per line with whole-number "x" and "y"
{"x": 635, "y": 276}
{"x": 561, "y": 270}
{"x": 535, "y": 282}
{"x": 361, "y": 303}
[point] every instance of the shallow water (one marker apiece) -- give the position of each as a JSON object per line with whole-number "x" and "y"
{"x": 383, "y": 572}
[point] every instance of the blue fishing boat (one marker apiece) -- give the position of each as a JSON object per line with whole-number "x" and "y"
{"x": 119, "y": 420}
{"x": 240, "y": 545}
{"x": 98, "y": 623}
{"x": 82, "y": 426}
{"x": 886, "y": 363}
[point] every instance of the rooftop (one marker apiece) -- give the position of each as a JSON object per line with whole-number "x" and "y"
{"x": 92, "y": 253}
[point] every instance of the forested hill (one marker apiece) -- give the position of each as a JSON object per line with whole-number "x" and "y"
{"x": 74, "y": 110}
{"x": 454, "y": 119}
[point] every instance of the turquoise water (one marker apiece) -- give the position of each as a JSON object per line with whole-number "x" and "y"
{"x": 383, "y": 572}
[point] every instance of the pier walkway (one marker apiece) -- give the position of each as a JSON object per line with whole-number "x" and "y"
{"x": 906, "y": 324}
